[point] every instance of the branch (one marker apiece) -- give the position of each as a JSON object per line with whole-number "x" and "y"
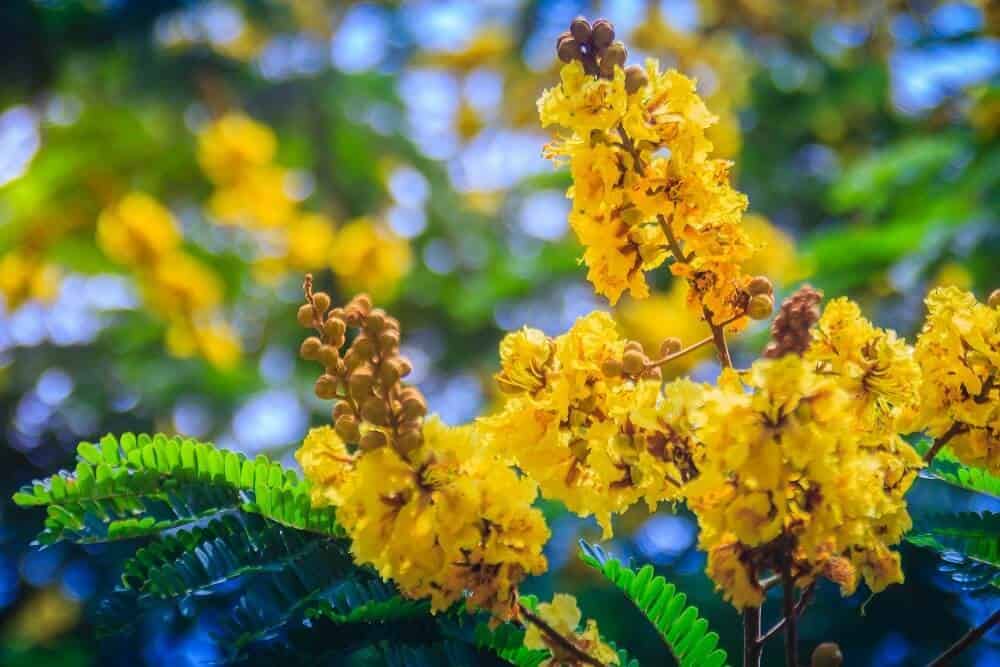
{"x": 680, "y": 353}
{"x": 791, "y": 615}
{"x": 752, "y": 644}
{"x": 562, "y": 642}
{"x": 800, "y": 606}
{"x": 956, "y": 428}
{"x": 967, "y": 640}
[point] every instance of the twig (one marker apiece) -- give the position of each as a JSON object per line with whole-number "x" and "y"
{"x": 791, "y": 616}
{"x": 967, "y": 640}
{"x": 680, "y": 353}
{"x": 752, "y": 645}
{"x": 800, "y": 606}
{"x": 563, "y": 643}
{"x": 955, "y": 429}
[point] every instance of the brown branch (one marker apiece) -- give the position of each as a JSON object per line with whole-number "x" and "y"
{"x": 800, "y": 606}
{"x": 967, "y": 640}
{"x": 955, "y": 429}
{"x": 563, "y": 642}
{"x": 791, "y": 616}
{"x": 753, "y": 647}
{"x": 680, "y": 353}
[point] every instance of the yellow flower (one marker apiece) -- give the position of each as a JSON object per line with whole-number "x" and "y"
{"x": 563, "y": 615}
{"x": 214, "y": 341}
{"x": 137, "y": 231}
{"x": 181, "y": 284}
{"x": 25, "y": 276}
{"x": 958, "y": 351}
{"x": 582, "y": 102}
{"x": 454, "y": 524}
{"x": 258, "y": 200}
{"x": 234, "y": 145}
{"x": 366, "y": 257}
{"x": 663, "y": 315}
{"x": 524, "y": 357}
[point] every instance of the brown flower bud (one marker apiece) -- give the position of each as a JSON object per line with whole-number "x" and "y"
{"x": 375, "y": 411}
{"x": 670, "y": 346}
{"x": 580, "y": 29}
{"x": 352, "y": 360}
{"x": 388, "y": 341}
{"x": 760, "y": 285}
{"x": 364, "y": 346}
{"x": 653, "y": 373}
{"x": 635, "y": 79}
{"x": 994, "y": 300}
{"x": 602, "y": 34}
{"x": 404, "y": 365}
{"x": 305, "y": 316}
{"x": 329, "y": 356}
{"x": 347, "y": 428}
{"x": 760, "y": 307}
{"x": 334, "y": 328}
{"x": 408, "y": 440}
{"x": 633, "y": 362}
{"x": 326, "y": 387}
{"x": 360, "y": 383}
{"x": 412, "y": 406}
{"x": 568, "y": 50}
{"x": 376, "y": 321}
{"x": 612, "y": 368}
{"x": 388, "y": 372}
{"x": 633, "y": 345}
{"x": 322, "y": 301}
{"x": 342, "y": 408}
{"x": 827, "y": 654}
{"x": 373, "y": 440}
{"x": 614, "y": 55}
{"x": 362, "y": 302}
{"x": 310, "y": 347}
{"x": 353, "y": 316}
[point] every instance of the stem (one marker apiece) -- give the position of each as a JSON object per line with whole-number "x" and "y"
{"x": 967, "y": 640}
{"x": 719, "y": 338}
{"x": 791, "y": 627}
{"x": 752, "y": 646}
{"x": 680, "y": 353}
{"x": 800, "y": 606}
{"x": 564, "y": 643}
{"x": 955, "y": 429}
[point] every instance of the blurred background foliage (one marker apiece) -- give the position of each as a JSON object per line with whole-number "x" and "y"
{"x": 169, "y": 169}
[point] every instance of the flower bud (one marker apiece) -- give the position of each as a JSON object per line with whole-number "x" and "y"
{"x": 310, "y": 347}
{"x": 760, "y": 285}
{"x": 994, "y": 300}
{"x": 413, "y": 406}
{"x": 580, "y": 29}
{"x": 568, "y": 50}
{"x": 653, "y": 373}
{"x": 388, "y": 372}
{"x": 405, "y": 367}
{"x": 827, "y": 654}
{"x": 670, "y": 346}
{"x": 340, "y": 409}
{"x": 373, "y": 440}
{"x": 347, "y": 428}
{"x": 612, "y": 368}
{"x": 633, "y": 362}
{"x": 760, "y": 307}
{"x": 388, "y": 341}
{"x": 329, "y": 356}
{"x": 360, "y": 383}
{"x": 602, "y": 34}
{"x": 364, "y": 346}
{"x": 375, "y": 321}
{"x": 322, "y": 301}
{"x": 374, "y": 411}
{"x": 334, "y": 328}
{"x": 614, "y": 56}
{"x": 409, "y": 440}
{"x": 635, "y": 79}
{"x": 326, "y": 387}
{"x": 305, "y": 316}
{"x": 362, "y": 302}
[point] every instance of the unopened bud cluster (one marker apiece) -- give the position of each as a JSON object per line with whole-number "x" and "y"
{"x": 373, "y": 408}
{"x": 761, "y": 302}
{"x": 595, "y": 46}
{"x": 634, "y": 363}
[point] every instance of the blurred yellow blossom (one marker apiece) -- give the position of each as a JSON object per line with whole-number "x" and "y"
{"x": 137, "y": 230}
{"x": 366, "y": 256}
{"x": 234, "y": 145}
{"x": 564, "y": 616}
{"x": 25, "y": 276}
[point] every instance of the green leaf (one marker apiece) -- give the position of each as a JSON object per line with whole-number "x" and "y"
{"x": 968, "y": 544}
{"x": 684, "y": 632}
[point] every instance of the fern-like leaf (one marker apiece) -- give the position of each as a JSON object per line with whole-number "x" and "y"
{"x": 134, "y": 486}
{"x": 685, "y": 633}
{"x": 507, "y": 641}
{"x": 947, "y": 468}
{"x": 968, "y": 544}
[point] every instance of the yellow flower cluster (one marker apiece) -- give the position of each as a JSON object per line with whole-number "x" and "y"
{"x": 645, "y": 188}
{"x": 593, "y": 437}
{"x": 426, "y": 504}
{"x": 787, "y": 483}
{"x": 958, "y": 350}
{"x": 237, "y": 154}
{"x": 139, "y": 233}
{"x": 563, "y": 615}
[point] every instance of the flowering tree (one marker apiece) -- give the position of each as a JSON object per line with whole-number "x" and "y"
{"x": 410, "y": 539}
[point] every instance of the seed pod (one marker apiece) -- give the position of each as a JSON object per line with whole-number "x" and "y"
{"x": 321, "y": 301}
{"x": 612, "y": 368}
{"x": 347, "y": 428}
{"x": 373, "y": 440}
{"x": 310, "y": 347}
{"x": 360, "y": 383}
{"x": 580, "y": 29}
{"x": 374, "y": 411}
{"x": 329, "y": 356}
{"x": 670, "y": 346}
{"x": 760, "y": 307}
{"x": 334, "y": 328}
{"x": 388, "y": 341}
{"x": 305, "y": 316}
{"x": 635, "y": 79}
{"x": 633, "y": 362}
{"x": 760, "y": 285}
{"x": 827, "y": 654}
{"x": 568, "y": 50}
{"x": 994, "y": 300}
{"x": 326, "y": 387}
{"x": 602, "y": 34}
